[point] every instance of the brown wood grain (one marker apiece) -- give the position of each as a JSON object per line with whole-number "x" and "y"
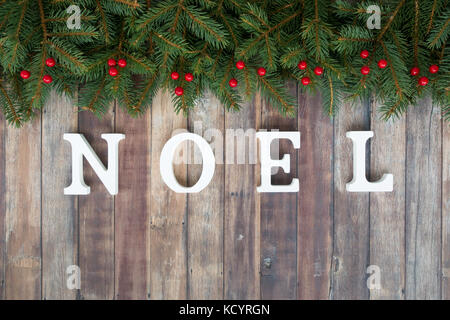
{"x": 227, "y": 241}
{"x": 23, "y": 211}
{"x": 59, "y": 212}
{"x": 423, "y": 202}
{"x": 351, "y": 210}
{"x": 206, "y": 209}
{"x": 96, "y": 214}
{"x": 387, "y": 209}
{"x": 241, "y": 222}
{"x": 315, "y": 199}
{"x": 168, "y": 219}
{"x": 445, "y": 210}
{"x": 279, "y": 217}
{"x": 132, "y": 207}
{"x": 3, "y": 126}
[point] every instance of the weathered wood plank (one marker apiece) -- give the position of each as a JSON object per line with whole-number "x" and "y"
{"x": 423, "y": 202}
{"x": 242, "y": 215}
{"x": 132, "y": 207}
{"x": 445, "y": 210}
{"x": 315, "y": 199}
{"x": 3, "y": 126}
{"x": 96, "y": 215}
{"x": 168, "y": 221}
{"x": 279, "y": 217}
{"x": 23, "y": 211}
{"x": 59, "y": 212}
{"x": 206, "y": 209}
{"x": 387, "y": 209}
{"x": 351, "y": 210}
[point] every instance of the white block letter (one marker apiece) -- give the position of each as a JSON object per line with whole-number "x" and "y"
{"x": 267, "y": 162}
{"x": 80, "y": 148}
{"x": 359, "y": 182}
{"x": 166, "y": 167}
{"x": 374, "y": 21}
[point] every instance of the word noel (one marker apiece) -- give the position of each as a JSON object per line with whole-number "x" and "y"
{"x": 110, "y": 176}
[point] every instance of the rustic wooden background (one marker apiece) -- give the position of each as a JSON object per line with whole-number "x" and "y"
{"x": 227, "y": 242}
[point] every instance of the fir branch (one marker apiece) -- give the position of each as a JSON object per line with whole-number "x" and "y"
{"x": 72, "y": 34}
{"x": 391, "y": 19}
{"x": 96, "y": 96}
{"x": 213, "y": 68}
{"x": 354, "y": 39}
{"x": 439, "y": 33}
{"x": 144, "y": 92}
{"x": 330, "y": 109}
{"x": 416, "y": 32}
{"x": 267, "y": 32}
{"x": 103, "y": 20}
{"x": 432, "y": 16}
{"x": 393, "y": 110}
{"x": 10, "y": 105}
{"x": 177, "y": 16}
{"x": 19, "y": 25}
{"x": 39, "y": 83}
{"x": 286, "y": 107}
{"x": 316, "y": 25}
{"x": 202, "y": 24}
{"x": 132, "y": 4}
{"x": 391, "y": 67}
{"x": 154, "y": 17}
{"x": 247, "y": 82}
{"x": 43, "y": 24}
{"x": 67, "y": 55}
{"x": 170, "y": 43}
{"x": 138, "y": 61}
{"x": 227, "y": 72}
{"x": 230, "y": 29}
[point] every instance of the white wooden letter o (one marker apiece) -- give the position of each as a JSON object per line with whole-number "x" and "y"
{"x": 166, "y": 167}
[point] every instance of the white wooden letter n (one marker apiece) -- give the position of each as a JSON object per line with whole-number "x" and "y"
{"x": 80, "y": 147}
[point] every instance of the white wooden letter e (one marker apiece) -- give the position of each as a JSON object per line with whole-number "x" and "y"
{"x": 109, "y": 177}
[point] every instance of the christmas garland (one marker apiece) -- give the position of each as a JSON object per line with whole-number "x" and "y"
{"x": 126, "y": 50}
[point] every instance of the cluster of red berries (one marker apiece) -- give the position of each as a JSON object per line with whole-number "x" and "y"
{"x": 50, "y": 62}
{"x": 175, "y": 76}
{"x": 302, "y": 65}
{"x": 241, "y": 65}
{"x": 232, "y": 83}
{"x": 112, "y": 66}
{"x": 423, "y": 81}
{"x": 365, "y": 70}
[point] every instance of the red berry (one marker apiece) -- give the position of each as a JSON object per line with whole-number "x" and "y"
{"x": 365, "y": 70}
{"x": 113, "y": 72}
{"x": 47, "y": 79}
{"x": 189, "y": 77}
{"x": 415, "y": 71}
{"x": 434, "y": 68}
{"x": 240, "y": 64}
{"x": 25, "y": 74}
{"x": 122, "y": 63}
{"x": 175, "y": 75}
{"x": 233, "y": 82}
{"x": 302, "y": 65}
{"x": 261, "y": 71}
{"x": 364, "y": 54}
{"x": 423, "y": 81}
{"x": 382, "y": 64}
{"x": 50, "y": 62}
{"x": 111, "y": 62}
{"x": 318, "y": 70}
{"x": 306, "y": 81}
{"x": 179, "y": 91}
